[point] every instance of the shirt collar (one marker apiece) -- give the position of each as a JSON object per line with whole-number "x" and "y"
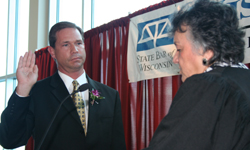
{"x": 68, "y": 80}
{"x": 224, "y": 64}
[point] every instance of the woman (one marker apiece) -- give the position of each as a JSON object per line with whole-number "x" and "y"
{"x": 211, "y": 110}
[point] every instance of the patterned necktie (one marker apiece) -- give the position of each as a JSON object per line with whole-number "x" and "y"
{"x": 78, "y": 100}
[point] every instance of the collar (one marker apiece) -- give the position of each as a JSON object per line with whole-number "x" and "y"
{"x": 68, "y": 80}
{"x": 224, "y": 64}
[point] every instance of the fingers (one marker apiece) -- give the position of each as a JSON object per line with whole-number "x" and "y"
{"x": 28, "y": 60}
{"x": 20, "y": 63}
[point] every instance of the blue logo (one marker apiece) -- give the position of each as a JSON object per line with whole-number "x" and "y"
{"x": 153, "y": 33}
{"x": 244, "y": 5}
{"x": 243, "y": 11}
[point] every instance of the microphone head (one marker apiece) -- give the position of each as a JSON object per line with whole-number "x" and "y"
{"x": 83, "y": 87}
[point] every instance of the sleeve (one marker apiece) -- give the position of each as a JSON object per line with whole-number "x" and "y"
{"x": 204, "y": 115}
{"x": 15, "y": 126}
{"x": 118, "y": 138}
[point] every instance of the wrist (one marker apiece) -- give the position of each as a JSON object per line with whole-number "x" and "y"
{"x": 23, "y": 90}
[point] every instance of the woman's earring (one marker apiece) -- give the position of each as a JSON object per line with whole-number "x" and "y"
{"x": 204, "y": 61}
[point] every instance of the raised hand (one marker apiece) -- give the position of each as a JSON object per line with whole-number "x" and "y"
{"x": 27, "y": 73}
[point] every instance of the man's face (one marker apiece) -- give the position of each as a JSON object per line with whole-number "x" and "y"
{"x": 69, "y": 51}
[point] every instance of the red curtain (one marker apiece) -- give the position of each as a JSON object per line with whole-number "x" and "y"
{"x": 45, "y": 63}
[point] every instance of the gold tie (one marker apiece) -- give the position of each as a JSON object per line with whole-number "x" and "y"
{"x": 78, "y": 100}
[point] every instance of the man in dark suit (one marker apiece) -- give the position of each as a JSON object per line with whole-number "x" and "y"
{"x": 33, "y": 104}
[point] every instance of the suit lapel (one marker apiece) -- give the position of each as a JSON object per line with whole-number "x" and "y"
{"x": 93, "y": 109}
{"x": 61, "y": 92}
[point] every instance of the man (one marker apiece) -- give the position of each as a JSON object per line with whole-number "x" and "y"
{"x": 33, "y": 104}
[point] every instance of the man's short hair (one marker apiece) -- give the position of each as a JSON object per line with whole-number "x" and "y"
{"x": 59, "y": 26}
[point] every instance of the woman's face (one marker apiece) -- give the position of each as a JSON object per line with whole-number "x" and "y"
{"x": 188, "y": 58}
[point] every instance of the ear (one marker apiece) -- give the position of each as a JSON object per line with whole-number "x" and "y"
{"x": 51, "y": 51}
{"x": 208, "y": 54}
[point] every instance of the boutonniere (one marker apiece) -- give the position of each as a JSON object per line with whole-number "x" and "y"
{"x": 95, "y": 95}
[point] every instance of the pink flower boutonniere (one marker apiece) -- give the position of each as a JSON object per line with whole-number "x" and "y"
{"x": 95, "y": 95}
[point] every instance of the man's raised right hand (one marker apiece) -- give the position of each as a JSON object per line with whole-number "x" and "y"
{"x": 27, "y": 74}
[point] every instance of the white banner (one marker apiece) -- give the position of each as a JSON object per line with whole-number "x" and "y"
{"x": 151, "y": 49}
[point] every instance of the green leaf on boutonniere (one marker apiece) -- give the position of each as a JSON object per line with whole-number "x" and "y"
{"x": 95, "y": 95}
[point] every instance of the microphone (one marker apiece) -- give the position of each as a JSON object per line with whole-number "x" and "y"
{"x": 81, "y": 88}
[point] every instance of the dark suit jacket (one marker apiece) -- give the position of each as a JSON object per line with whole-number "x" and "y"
{"x": 211, "y": 111}
{"x": 28, "y": 116}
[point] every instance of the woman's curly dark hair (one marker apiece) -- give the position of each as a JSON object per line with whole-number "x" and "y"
{"x": 214, "y": 26}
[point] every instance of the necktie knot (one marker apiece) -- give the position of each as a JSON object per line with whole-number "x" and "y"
{"x": 75, "y": 84}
